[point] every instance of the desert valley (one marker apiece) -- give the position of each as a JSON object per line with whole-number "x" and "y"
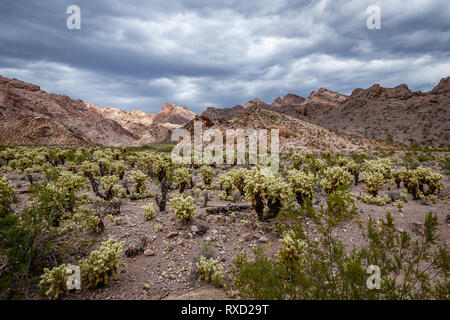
{"x": 363, "y": 184}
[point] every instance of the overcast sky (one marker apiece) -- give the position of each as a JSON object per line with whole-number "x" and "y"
{"x": 140, "y": 54}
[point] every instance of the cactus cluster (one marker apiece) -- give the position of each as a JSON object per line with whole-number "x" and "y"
{"x": 56, "y": 281}
{"x": 211, "y": 271}
{"x": 207, "y": 174}
{"x": 267, "y": 193}
{"x": 182, "y": 178}
{"x": 292, "y": 248}
{"x": 149, "y": 211}
{"x": 183, "y": 207}
{"x": 302, "y": 185}
{"x": 335, "y": 178}
{"x": 102, "y": 265}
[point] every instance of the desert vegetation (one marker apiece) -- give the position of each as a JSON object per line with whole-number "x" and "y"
{"x": 139, "y": 226}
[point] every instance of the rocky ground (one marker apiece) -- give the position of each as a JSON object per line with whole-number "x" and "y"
{"x": 161, "y": 269}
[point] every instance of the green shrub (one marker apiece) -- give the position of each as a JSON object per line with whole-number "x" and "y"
{"x": 316, "y": 264}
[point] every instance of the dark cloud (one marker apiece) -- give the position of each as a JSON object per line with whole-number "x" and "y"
{"x": 140, "y": 54}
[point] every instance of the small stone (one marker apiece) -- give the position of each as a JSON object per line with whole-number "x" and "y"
{"x": 172, "y": 235}
{"x": 247, "y": 237}
{"x": 194, "y": 229}
{"x": 394, "y": 196}
{"x": 149, "y": 252}
{"x": 208, "y": 239}
{"x": 263, "y": 239}
{"x": 172, "y": 276}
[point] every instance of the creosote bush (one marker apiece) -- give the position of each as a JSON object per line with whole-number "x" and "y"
{"x": 314, "y": 263}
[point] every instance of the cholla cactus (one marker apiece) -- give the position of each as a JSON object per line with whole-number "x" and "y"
{"x": 376, "y": 173}
{"x": 302, "y": 185}
{"x": 381, "y": 165}
{"x": 207, "y": 174}
{"x": 149, "y": 212}
{"x": 211, "y": 271}
{"x": 90, "y": 168}
{"x": 371, "y": 199}
{"x": 139, "y": 179}
{"x": 56, "y": 281}
{"x": 335, "y": 177}
{"x": 293, "y": 247}
{"x": 108, "y": 184}
{"x": 354, "y": 168}
{"x": 103, "y": 264}
{"x": 183, "y": 208}
{"x": 266, "y": 190}
{"x": 226, "y": 182}
{"x": 161, "y": 167}
{"x": 314, "y": 165}
{"x": 399, "y": 175}
{"x": 415, "y": 182}
{"x": 182, "y": 178}
{"x": 7, "y": 197}
{"x": 298, "y": 160}
{"x": 374, "y": 180}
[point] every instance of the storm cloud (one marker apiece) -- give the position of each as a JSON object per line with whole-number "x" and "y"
{"x": 141, "y": 54}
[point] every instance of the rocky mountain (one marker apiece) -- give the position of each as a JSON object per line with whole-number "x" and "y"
{"x": 30, "y": 116}
{"x": 294, "y": 134}
{"x": 135, "y": 121}
{"x": 397, "y": 115}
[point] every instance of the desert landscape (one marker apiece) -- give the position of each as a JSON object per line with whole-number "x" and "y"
{"x": 224, "y": 159}
{"x": 363, "y": 181}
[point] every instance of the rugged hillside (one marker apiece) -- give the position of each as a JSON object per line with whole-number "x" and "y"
{"x": 295, "y": 134}
{"x": 149, "y": 128}
{"x": 395, "y": 114}
{"x": 174, "y": 114}
{"x": 59, "y": 120}
{"x": 135, "y": 121}
{"x": 30, "y": 116}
